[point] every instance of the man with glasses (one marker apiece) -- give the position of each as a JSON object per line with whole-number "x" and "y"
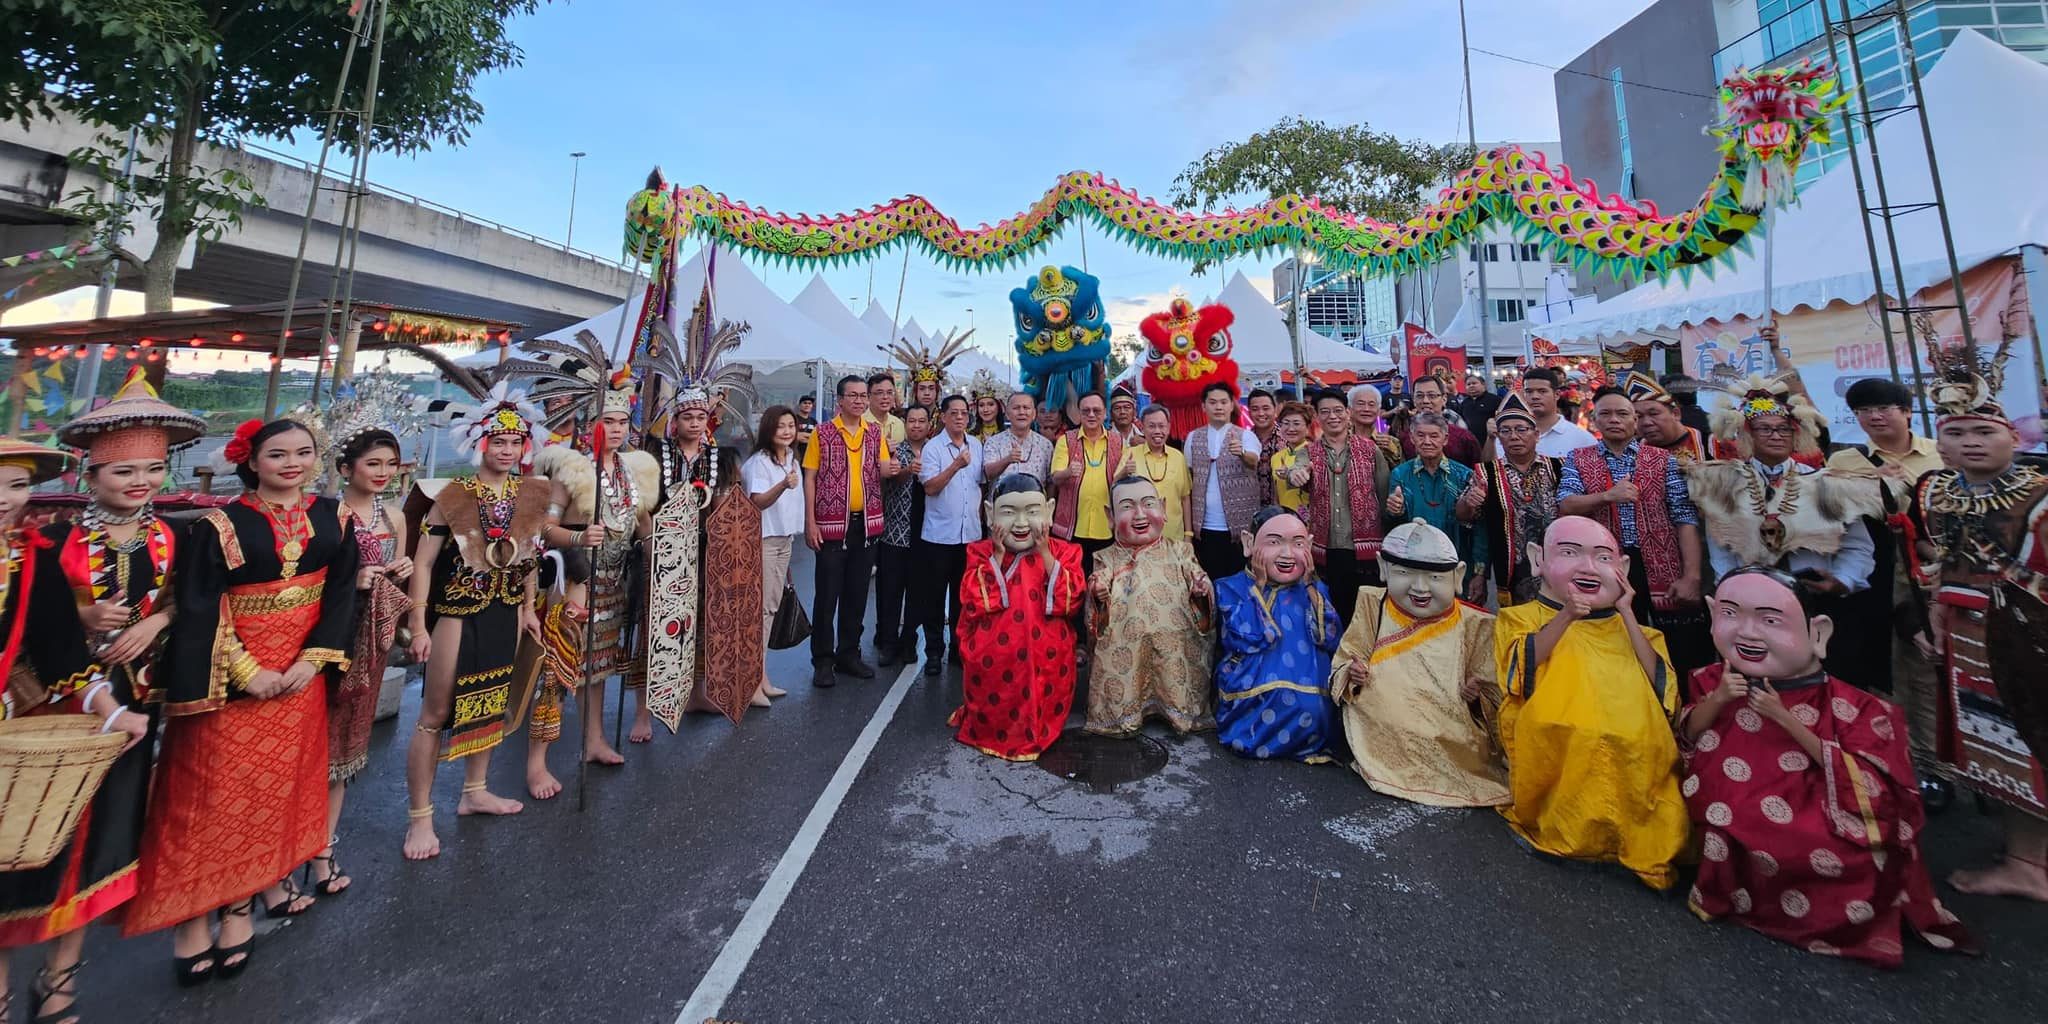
{"x": 1082, "y": 464}
{"x": 843, "y": 472}
{"x": 1461, "y": 446}
{"x": 950, "y": 473}
{"x": 1519, "y": 501}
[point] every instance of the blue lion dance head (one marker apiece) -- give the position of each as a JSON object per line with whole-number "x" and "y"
{"x": 1062, "y": 337}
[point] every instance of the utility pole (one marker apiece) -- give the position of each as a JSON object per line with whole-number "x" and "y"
{"x": 575, "y": 172}
{"x": 1472, "y": 137}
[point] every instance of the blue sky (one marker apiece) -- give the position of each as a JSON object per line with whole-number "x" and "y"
{"x": 823, "y": 107}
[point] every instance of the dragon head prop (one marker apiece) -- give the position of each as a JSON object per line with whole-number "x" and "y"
{"x": 648, "y": 215}
{"x": 1188, "y": 349}
{"x": 1062, "y": 336}
{"x": 1767, "y": 120}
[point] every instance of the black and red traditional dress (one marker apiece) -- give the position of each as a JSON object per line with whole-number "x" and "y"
{"x": 241, "y": 789}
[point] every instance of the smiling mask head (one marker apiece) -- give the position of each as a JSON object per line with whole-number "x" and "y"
{"x": 1421, "y": 567}
{"x": 1762, "y": 630}
{"x": 1579, "y": 556}
{"x": 1138, "y": 514}
{"x": 1018, "y": 513}
{"x": 1276, "y": 547}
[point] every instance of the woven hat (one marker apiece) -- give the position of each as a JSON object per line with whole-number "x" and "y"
{"x": 42, "y": 463}
{"x": 134, "y": 424}
{"x": 1513, "y": 407}
{"x": 1641, "y": 387}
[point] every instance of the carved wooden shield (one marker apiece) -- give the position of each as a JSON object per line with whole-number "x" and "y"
{"x": 672, "y": 600}
{"x": 732, "y": 643}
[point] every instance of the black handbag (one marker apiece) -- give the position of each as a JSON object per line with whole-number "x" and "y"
{"x": 792, "y": 624}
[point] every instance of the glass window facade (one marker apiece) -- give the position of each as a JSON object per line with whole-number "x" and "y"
{"x": 1628, "y": 153}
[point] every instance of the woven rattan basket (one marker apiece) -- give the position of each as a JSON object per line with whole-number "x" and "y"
{"x": 50, "y": 767}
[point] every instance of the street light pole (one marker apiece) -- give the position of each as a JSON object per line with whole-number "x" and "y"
{"x": 970, "y": 319}
{"x": 1472, "y": 139}
{"x": 575, "y": 172}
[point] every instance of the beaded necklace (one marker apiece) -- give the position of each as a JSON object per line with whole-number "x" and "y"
{"x": 106, "y": 562}
{"x": 494, "y": 514}
{"x": 1165, "y": 463}
{"x": 622, "y": 496}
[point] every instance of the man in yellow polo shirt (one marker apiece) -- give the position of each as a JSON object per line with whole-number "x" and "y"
{"x": 882, "y": 408}
{"x": 1081, "y": 483}
{"x": 844, "y": 465}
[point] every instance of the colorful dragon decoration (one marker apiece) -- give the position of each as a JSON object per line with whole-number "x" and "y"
{"x": 1773, "y": 114}
{"x": 1767, "y": 120}
{"x": 1189, "y": 349}
{"x": 1062, "y": 337}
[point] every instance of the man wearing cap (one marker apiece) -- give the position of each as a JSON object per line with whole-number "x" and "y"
{"x": 1415, "y": 680}
{"x": 1123, "y": 416}
{"x": 1520, "y": 500}
{"x": 1685, "y": 395}
{"x": 1658, "y": 419}
{"x": 1985, "y": 554}
{"x": 1900, "y": 458}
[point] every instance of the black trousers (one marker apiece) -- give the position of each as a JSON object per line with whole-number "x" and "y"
{"x": 935, "y": 572}
{"x": 1220, "y": 553}
{"x": 1089, "y": 549}
{"x": 1344, "y": 573}
{"x": 840, "y": 593}
{"x": 894, "y": 612}
{"x": 1685, "y": 630}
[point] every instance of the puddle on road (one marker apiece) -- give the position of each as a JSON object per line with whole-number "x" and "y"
{"x": 1102, "y": 763}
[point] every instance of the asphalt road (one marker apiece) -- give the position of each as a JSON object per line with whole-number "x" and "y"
{"x": 953, "y": 887}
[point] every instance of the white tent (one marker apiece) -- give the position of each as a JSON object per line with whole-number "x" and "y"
{"x": 879, "y": 321}
{"x": 817, "y": 302}
{"x": 909, "y": 331}
{"x": 779, "y": 335}
{"x": 1991, "y": 152}
{"x": 979, "y": 358}
{"x": 1260, "y": 342}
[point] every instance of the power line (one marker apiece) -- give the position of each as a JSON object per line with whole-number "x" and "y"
{"x": 1588, "y": 74}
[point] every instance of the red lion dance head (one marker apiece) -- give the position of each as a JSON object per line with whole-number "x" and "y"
{"x": 1190, "y": 350}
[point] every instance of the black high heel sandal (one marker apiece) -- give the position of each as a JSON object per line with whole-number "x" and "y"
{"x": 47, "y": 987}
{"x": 190, "y": 974}
{"x": 327, "y": 886}
{"x": 229, "y": 968}
{"x": 292, "y": 895}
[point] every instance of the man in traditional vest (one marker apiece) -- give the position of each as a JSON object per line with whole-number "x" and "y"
{"x": 1346, "y": 479}
{"x": 1223, "y": 460}
{"x": 1639, "y": 494}
{"x": 1083, "y": 463}
{"x": 843, "y": 472}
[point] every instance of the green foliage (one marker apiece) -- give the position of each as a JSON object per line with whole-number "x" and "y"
{"x": 1123, "y": 349}
{"x": 207, "y": 202}
{"x": 1350, "y": 168}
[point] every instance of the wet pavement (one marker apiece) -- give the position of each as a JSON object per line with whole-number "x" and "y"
{"x": 954, "y": 887}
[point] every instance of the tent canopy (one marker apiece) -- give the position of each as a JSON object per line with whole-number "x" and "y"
{"x": 1990, "y": 157}
{"x": 817, "y": 302}
{"x": 1260, "y": 342}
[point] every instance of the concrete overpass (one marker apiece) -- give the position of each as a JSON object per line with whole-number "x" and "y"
{"x": 412, "y": 252}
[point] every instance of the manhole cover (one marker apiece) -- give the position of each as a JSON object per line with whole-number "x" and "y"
{"x": 1102, "y": 763}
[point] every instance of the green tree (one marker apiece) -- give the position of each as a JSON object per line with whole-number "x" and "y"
{"x": 1351, "y": 168}
{"x": 186, "y": 72}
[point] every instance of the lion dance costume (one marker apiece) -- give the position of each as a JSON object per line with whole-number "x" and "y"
{"x": 1188, "y": 350}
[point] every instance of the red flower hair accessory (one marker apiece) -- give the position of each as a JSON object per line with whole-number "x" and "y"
{"x": 237, "y": 450}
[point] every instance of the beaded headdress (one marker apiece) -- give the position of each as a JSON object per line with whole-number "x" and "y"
{"x": 495, "y": 409}
{"x": 135, "y": 424}
{"x": 926, "y": 365}
{"x": 694, "y": 365}
{"x": 985, "y": 385}
{"x": 375, "y": 400}
{"x": 1641, "y": 387}
{"x": 1514, "y": 407}
{"x": 1759, "y": 396}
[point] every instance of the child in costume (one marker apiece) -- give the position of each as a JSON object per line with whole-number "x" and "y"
{"x": 1279, "y": 630}
{"x": 1415, "y": 680}
{"x": 1802, "y": 788}
{"x": 1152, "y": 608}
{"x": 1017, "y": 644}
{"x": 1585, "y": 717}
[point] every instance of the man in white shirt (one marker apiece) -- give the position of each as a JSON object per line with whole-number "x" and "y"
{"x": 1020, "y": 449}
{"x": 1223, "y": 460}
{"x": 950, "y": 469}
{"x": 1556, "y": 437}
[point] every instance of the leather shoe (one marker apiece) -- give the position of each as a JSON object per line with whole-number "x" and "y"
{"x": 932, "y": 668}
{"x": 855, "y": 667}
{"x": 822, "y": 676}
{"x": 888, "y": 656}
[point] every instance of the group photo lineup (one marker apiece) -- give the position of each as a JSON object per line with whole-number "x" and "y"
{"x": 1454, "y": 511}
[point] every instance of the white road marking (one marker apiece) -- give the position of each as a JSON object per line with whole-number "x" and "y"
{"x": 718, "y": 982}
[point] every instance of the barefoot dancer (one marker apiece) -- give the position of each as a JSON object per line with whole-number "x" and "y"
{"x": 266, "y": 592}
{"x": 47, "y": 663}
{"x": 482, "y": 540}
{"x": 1985, "y": 549}
{"x": 608, "y": 538}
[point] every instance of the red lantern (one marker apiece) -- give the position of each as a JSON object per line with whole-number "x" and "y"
{"x": 237, "y": 336}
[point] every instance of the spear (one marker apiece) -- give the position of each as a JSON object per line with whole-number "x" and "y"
{"x": 597, "y": 449}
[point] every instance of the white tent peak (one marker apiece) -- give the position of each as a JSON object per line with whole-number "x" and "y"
{"x": 817, "y": 302}
{"x": 1260, "y": 342}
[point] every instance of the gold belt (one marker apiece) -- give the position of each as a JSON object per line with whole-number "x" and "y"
{"x": 283, "y": 600}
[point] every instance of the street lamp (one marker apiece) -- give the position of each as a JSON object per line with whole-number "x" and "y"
{"x": 970, "y": 319}
{"x": 575, "y": 172}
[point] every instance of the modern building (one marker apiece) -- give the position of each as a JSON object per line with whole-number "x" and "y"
{"x": 1341, "y": 307}
{"x": 1634, "y": 109}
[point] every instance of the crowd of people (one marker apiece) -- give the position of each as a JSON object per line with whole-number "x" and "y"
{"x": 1622, "y": 638}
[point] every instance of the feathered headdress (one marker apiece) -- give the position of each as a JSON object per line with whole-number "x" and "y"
{"x": 1766, "y": 396}
{"x": 924, "y": 364}
{"x": 563, "y": 377}
{"x": 374, "y": 400}
{"x": 1965, "y": 383}
{"x": 495, "y": 408}
{"x": 695, "y": 366}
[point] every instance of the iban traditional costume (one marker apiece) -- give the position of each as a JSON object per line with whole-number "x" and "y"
{"x": 47, "y": 668}
{"x": 1414, "y": 678}
{"x": 240, "y": 797}
{"x": 1272, "y": 698}
{"x": 1520, "y": 504}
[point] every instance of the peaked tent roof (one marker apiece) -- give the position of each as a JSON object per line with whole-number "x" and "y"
{"x": 1990, "y": 164}
{"x": 1260, "y": 342}
{"x": 878, "y": 320}
{"x": 817, "y": 302}
{"x": 779, "y": 336}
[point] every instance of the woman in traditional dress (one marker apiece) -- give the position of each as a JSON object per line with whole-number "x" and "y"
{"x": 48, "y": 668}
{"x": 266, "y": 592}
{"x": 367, "y": 459}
